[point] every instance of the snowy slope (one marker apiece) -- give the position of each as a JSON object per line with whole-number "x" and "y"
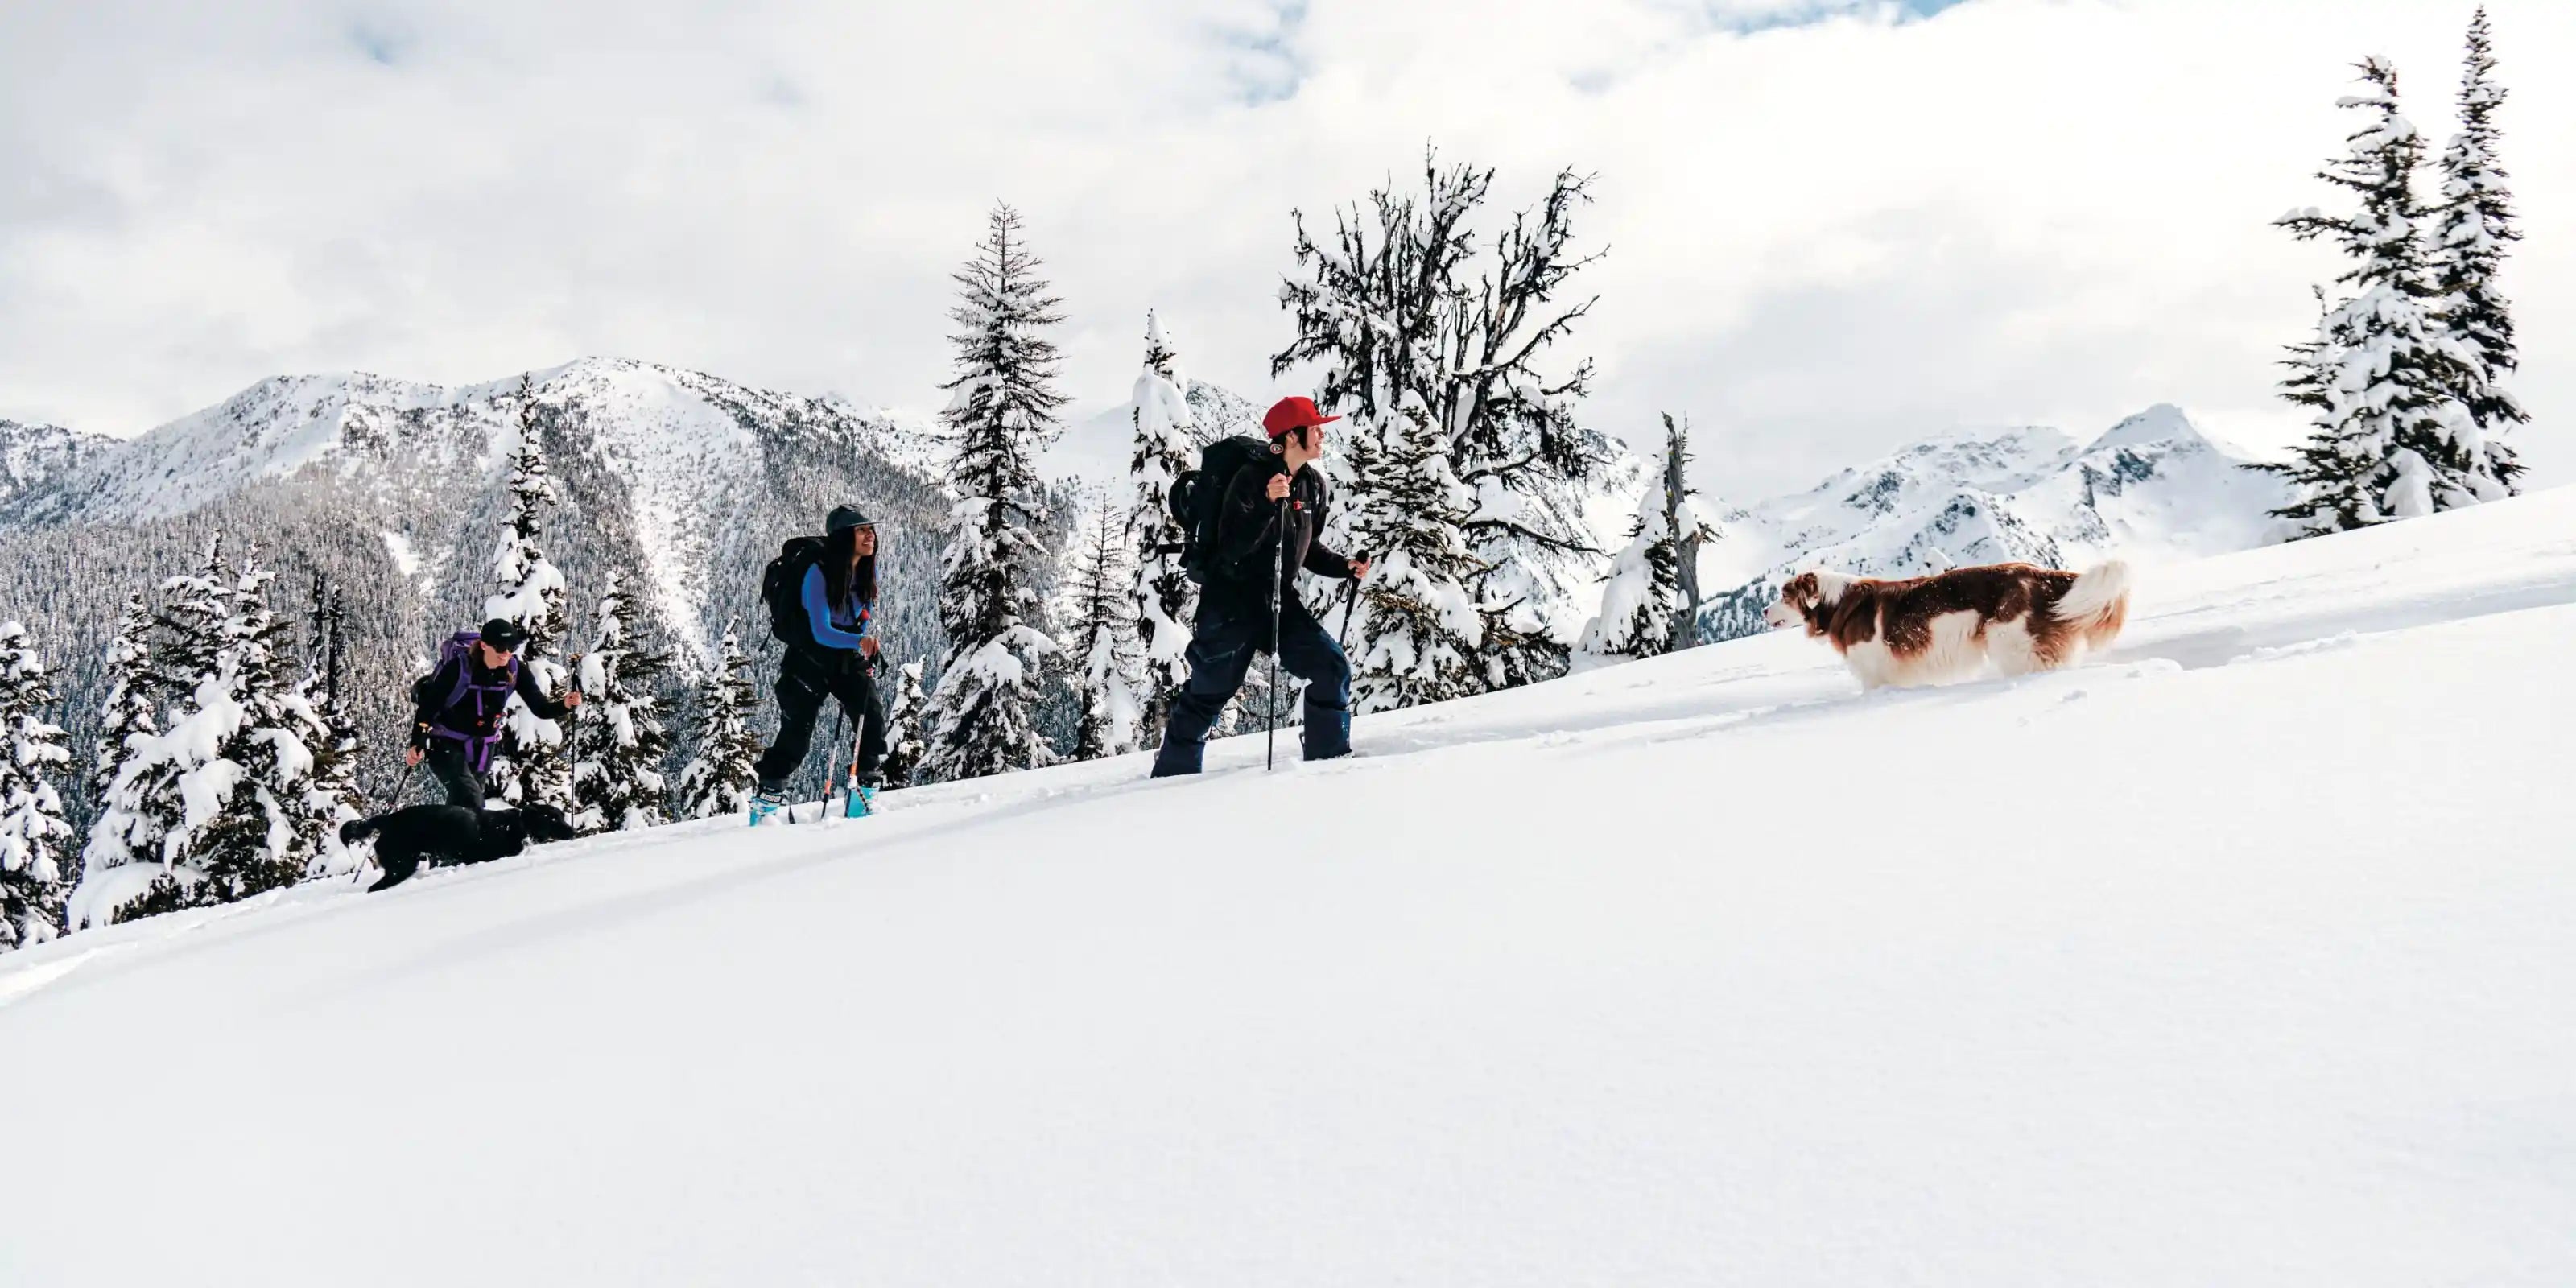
{"x": 2154, "y": 489}
{"x": 2238, "y": 957}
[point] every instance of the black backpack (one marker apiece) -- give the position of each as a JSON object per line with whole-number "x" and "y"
{"x": 782, "y": 587}
{"x": 1196, "y": 495}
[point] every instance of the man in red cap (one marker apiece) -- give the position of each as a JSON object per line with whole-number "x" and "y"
{"x": 1260, "y": 544}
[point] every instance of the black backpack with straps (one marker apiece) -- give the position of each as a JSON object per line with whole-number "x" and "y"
{"x": 1198, "y": 495}
{"x": 782, "y": 587}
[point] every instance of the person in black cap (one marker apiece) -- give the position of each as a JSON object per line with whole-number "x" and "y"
{"x": 829, "y": 653}
{"x": 458, "y": 720}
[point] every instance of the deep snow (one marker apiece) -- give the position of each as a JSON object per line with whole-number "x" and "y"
{"x": 2237, "y": 956}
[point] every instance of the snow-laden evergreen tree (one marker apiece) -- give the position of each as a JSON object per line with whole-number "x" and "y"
{"x": 2469, "y": 241}
{"x": 129, "y": 862}
{"x": 1646, "y": 609}
{"x": 238, "y": 754}
{"x": 128, "y": 708}
{"x": 32, "y": 829}
{"x": 720, "y": 779}
{"x": 1682, "y": 517}
{"x": 904, "y": 743}
{"x": 1166, "y": 599}
{"x": 1100, "y": 642}
{"x": 983, "y": 717}
{"x": 331, "y": 795}
{"x": 1419, "y": 624}
{"x": 2389, "y": 440}
{"x": 617, "y": 777}
{"x": 532, "y": 764}
{"x": 1406, "y": 315}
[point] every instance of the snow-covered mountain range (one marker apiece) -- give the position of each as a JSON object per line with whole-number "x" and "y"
{"x": 2153, "y": 489}
{"x": 394, "y": 491}
{"x": 32, "y": 456}
{"x": 682, "y": 466}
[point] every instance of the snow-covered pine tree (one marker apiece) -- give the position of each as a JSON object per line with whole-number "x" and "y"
{"x": 904, "y": 742}
{"x": 531, "y": 766}
{"x": 331, "y": 796}
{"x": 1640, "y": 593}
{"x": 1166, "y": 599}
{"x": 129, "y": 865}
{"x": 1407, "y": 317}
{"x": 238, "y": 753}
{"x": 720, "y": 780}
{"x": 1682, "y": 517}
{"x": 128, "y": 708}
{"x": 264, "y": 832}
{"x": 32, "y": 830}
{"x": 1419, "y": 625}
{"x": 2469, "y": 241}
{"x": 1100, "y": 645}
{"x": 2386, "y": 439}
{"x": 983, "y": 717}
{"x": 617, "y": 776}
{"x": 1646, "y": 610}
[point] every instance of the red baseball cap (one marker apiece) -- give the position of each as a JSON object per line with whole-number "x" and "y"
{"x": 1292, "y": 414}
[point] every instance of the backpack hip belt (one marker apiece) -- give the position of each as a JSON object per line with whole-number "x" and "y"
{"x": 478, "y": 746}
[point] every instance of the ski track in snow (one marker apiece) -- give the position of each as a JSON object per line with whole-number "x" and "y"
{"x": 2236, "y": 955}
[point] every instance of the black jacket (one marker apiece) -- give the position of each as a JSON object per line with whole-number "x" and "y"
{"x": 1248, "y": 538}
{"x": 474, "y": 713}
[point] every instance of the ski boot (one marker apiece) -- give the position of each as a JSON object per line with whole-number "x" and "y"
{"x": 765, "y": 804}
{"x": 861, "y": 799}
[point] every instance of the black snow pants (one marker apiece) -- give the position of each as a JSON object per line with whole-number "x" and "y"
{"x": 449, "y": 764}
{"x": 804, "y": 680}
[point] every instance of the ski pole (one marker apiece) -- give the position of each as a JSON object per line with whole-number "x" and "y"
{"x": 401, "y": 781}
{"x": 1278, "y": 592}
{"x": 840, "y": 718}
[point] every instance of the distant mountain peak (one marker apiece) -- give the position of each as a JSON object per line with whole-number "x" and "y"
{"x": 2162, "y": 423}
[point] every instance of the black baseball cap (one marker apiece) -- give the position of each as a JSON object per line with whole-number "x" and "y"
{"x": 504, "y": 634}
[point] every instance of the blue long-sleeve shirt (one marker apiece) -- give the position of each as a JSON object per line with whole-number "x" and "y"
{"x": 833, "y": 627}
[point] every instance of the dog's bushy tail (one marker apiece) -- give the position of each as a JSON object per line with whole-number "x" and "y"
{"x": 2097, "y": 605}
{"x": 356, "y": 830}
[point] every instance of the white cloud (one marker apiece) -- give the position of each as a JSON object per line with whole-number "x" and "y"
{"x": 1826, "y": 236}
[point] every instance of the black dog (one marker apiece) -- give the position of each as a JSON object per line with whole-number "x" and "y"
{"x": 451, "y": 834}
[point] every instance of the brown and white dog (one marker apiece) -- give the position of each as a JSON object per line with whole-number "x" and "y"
{"x": 1928, "y": 630}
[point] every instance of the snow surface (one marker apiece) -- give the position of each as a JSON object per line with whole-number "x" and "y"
{"x": 2238, "y": 956}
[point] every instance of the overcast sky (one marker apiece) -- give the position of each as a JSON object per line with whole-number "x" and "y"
{"x": 1833, "y": 225}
